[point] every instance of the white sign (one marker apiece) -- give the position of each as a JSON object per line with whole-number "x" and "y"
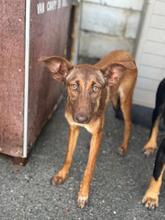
{"x": 40, "y": 8}
{"x": 51, "y": 5}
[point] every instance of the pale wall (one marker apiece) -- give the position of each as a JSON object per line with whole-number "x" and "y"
{"x": 108, "y": 25}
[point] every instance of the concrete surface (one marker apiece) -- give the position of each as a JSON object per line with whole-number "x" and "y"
{"x": 117, "y": 188}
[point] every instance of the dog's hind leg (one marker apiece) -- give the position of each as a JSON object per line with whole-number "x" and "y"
{"x": 151, "y": 197}
{"x": 62, "y": 173}
{"x": 126, "y": 103}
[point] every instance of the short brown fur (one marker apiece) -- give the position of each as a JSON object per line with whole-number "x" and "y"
{"x": 90, "y": 88}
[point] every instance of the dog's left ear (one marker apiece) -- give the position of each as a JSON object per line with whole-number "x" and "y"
{"x": 115, "y": 71}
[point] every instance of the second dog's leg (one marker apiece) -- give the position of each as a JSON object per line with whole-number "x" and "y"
{"x": 151, "y": 145}
{"x": 85, "y": 184}
{"x": 151, "y": 196}
{"x": 62, "y": 173}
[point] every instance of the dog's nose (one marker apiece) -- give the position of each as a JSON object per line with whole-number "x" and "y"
{"x": 81, "y": 118}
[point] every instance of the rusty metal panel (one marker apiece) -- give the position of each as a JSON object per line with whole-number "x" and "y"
{"x": 49, "y": 20}
{"x": 49, "y": 29}
{"x": 11, "y": 76}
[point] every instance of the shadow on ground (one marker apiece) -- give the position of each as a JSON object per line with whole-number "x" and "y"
{"x": 117, "y": 188}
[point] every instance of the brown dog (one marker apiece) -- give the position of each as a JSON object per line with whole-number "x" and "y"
{"x": 90, "y": 88}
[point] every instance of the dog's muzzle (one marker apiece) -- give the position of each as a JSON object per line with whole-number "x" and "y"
{"x": 81, "y": 118}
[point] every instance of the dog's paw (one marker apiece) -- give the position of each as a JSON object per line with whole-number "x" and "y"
{"x": 149, "y": 148}
{"x": 57, "y": 180}
{"x": 148, "y": 151}
{"x": 150, "y": 200}
{"x": 82, "y": 200}
{"x": 122, "y": 150}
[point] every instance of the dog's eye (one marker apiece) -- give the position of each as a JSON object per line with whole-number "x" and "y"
{"x": 95, "y": 88}
{"x": 74, "y": 86}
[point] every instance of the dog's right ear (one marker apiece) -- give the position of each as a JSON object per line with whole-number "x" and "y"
{"x": 58, "y": 66}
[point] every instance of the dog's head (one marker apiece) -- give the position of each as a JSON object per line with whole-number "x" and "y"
{"x": 86, "y": 84}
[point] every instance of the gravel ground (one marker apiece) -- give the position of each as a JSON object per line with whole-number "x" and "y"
{"x": 118, "y": 183}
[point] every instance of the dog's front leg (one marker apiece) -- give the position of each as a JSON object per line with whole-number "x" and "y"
{"x": 62, "y": 173}
{"x": 85, "y": 184}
